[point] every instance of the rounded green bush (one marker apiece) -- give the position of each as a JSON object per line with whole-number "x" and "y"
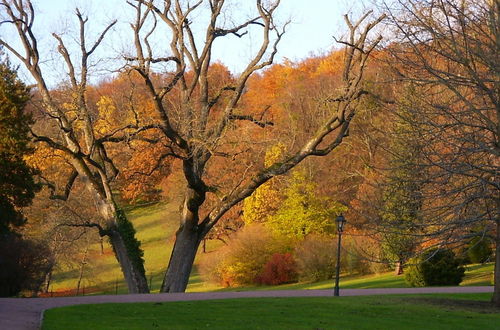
{"x": 434, "y": 267}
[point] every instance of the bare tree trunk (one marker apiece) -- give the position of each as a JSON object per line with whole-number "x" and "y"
{"x": 181, "y": 260}
{"x": 496, "y": 278}
{"x": 188, "y": 237}
{"x": 126, "y": 247}
{"x": 399, "y": 268}
{"x": 48, "y": 280}
{"x": 101, "y": 245}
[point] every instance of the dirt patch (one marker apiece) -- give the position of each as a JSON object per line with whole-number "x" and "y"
{"x": 477, "y": 306}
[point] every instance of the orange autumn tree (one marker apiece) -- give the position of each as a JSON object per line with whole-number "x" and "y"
{"x": 141, "y": 158}
{"x": 296, "y": 97}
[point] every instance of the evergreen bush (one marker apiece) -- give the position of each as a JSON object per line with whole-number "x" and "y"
{"x": 434, "y": 267}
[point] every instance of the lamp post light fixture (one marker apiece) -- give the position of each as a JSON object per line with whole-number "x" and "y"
{"x": 340, "y": 228}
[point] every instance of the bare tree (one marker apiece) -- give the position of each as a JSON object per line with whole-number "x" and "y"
{"x": 74, "y": 133}
{"x": 205, "y": 118}
{"x": 449, "y": 52}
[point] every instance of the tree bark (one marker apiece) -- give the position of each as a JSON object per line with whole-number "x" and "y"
{"x": 181, "y": 260}
{"x": 496, "y": 276}
{"x": 188, "y": 236}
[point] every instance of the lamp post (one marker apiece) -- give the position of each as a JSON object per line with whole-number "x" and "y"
{"x": 340, "y": 228}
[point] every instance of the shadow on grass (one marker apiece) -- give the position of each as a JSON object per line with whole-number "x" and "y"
{"x": 393, "y": 283}
{"x": 147, "y": 225}
{"x": 477, "y": 306}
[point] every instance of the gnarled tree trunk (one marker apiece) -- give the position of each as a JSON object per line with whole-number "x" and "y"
{"x": 187, "y": 240}
{"x": 181, "y": 260}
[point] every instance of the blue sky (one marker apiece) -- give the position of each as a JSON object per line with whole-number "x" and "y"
{"x": 313, "y": 23}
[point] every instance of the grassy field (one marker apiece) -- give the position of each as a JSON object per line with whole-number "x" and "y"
{"x": 458, "y": 311}
{"x": 156, "y": 225}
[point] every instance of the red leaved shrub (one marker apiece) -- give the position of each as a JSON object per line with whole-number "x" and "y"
{"x": 280, "y": 269}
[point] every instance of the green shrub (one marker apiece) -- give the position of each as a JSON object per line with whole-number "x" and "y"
{"x": 316, "y": 256}
{"x": 434, "y": 267}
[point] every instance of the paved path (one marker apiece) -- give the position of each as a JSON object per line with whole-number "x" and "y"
{"x": 26, "y": 313}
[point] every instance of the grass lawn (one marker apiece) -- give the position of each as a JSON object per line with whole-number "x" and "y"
{"x": 439, "y": 311}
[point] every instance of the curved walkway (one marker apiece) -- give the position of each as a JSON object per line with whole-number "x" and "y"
{"x": 26, "y": 313}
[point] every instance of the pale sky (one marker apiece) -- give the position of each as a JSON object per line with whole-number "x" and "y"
{"x": 314, "y": 22}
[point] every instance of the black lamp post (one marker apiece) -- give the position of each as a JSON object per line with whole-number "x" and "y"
{"x": 340, "y": 228}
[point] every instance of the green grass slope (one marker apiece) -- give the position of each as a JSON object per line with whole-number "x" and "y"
{"x": 156, "y": 225}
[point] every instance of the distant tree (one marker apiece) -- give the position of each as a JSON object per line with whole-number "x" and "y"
{"x": 265, "y": 200}
{"x": 140, "y": 161}
{"x": 402, "y": 197}
{"x": 17, "y": 184}
{"x": 302, "y": 211}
